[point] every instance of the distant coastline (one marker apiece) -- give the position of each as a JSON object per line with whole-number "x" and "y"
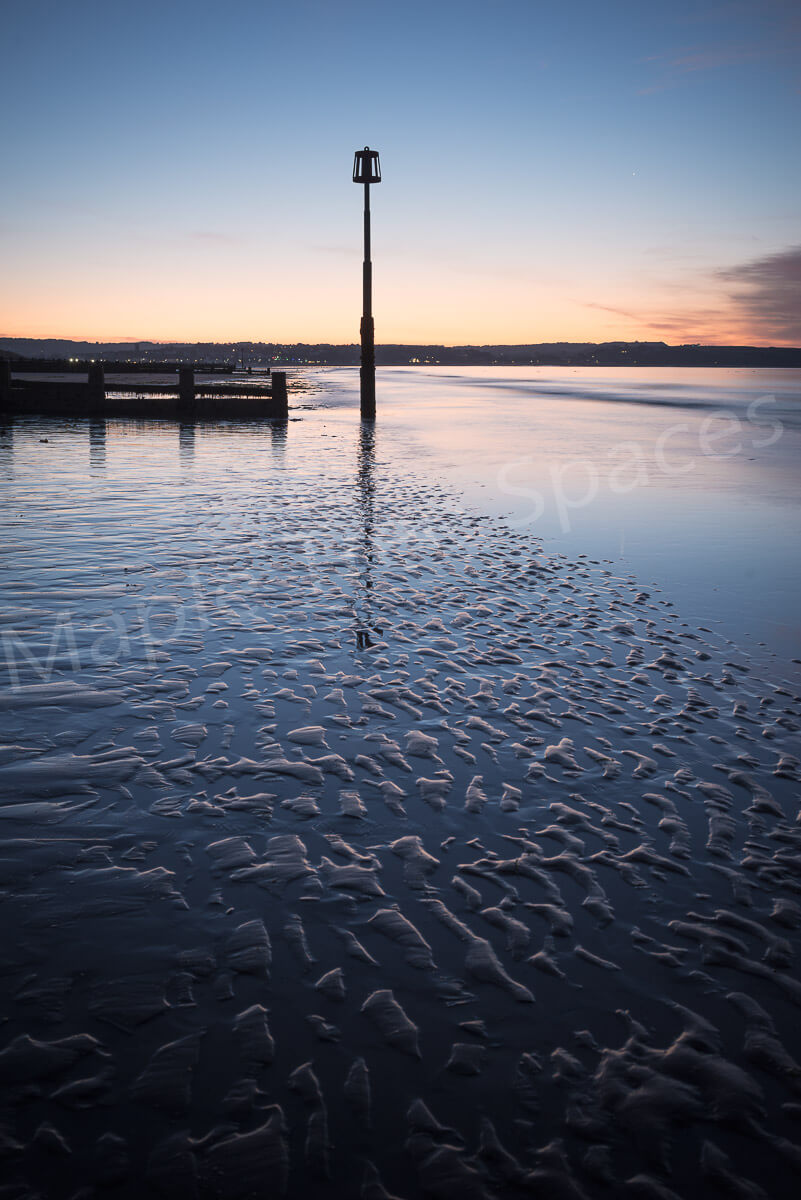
{"x": 545, "y": 354}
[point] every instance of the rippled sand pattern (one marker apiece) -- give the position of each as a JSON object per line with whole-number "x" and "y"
{"x": 353, "y": 847}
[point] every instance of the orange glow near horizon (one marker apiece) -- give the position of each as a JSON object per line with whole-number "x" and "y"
{"x": 468, "y": 311}
{"x": 549, "y": 173}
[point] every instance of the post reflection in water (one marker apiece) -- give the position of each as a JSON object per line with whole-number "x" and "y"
{"x": 363, "y": 610}
{"x": 278, "y": 431}
{"x": 186, "y": 443}
{"x": 97, "y": 443}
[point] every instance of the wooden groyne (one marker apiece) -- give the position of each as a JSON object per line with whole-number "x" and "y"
{"x": 187, "y": 400}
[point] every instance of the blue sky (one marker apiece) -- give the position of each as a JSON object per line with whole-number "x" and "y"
{"x": 576, "y": 171}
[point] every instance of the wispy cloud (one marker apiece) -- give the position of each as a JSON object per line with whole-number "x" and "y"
{"x": 673, "y": 68}
{"x": 767, "y": 294}
{"x": 343, "y": 251}
{"x": 214, "y": 235}
{"x": 617, "y": 312}
{"x": 751, "y": 303}
{"x": 686, "y": 324}
{"x": 778, "y": 38}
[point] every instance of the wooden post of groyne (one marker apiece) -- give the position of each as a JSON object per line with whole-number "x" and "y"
{"x": 96, "y": 388}
{"x": 280, "y": 401}
{"x": 5, "y": 383}
{"x": 186, "y": 390}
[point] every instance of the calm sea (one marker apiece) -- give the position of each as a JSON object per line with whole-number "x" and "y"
{"x": 687, "y": 478}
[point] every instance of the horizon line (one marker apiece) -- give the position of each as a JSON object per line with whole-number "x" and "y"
{"x": 440, "y": 345}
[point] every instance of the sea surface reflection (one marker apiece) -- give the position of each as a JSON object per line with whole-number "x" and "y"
{"x": 689, "y": 478}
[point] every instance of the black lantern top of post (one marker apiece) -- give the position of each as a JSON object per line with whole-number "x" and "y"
{"x": 366, "y": 167}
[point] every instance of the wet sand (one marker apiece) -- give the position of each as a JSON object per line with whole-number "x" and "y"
{"x": 354, "y": 845}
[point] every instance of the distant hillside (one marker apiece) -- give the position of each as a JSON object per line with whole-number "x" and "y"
{"x": 567, "y": 354}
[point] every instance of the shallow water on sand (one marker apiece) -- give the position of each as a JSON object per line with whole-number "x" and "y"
{"x": 689, "y": 478}
{"x": 350, "y": 837}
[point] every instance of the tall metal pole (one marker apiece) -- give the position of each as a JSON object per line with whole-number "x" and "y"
{"x": 367, "y": 372}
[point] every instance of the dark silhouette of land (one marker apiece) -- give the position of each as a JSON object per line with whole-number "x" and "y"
{"x": 244, "y": 354}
